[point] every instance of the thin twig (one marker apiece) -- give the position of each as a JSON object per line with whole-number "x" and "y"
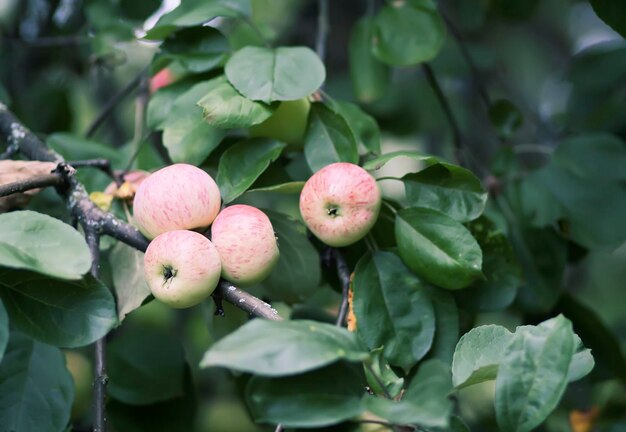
{"x": 247, "y": 302}
{"x": 279, "y": 428}
{"x": 113, "y": 102}
{"x": 322, "y": 29}
{"x": 445, "y": 106}
{"x": 103, "y": 165}
{"x": 35, "y": 182}
{"x": 344, "y": 276}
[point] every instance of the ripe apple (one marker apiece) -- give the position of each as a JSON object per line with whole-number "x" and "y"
{"x": 162, "y": 78}
{"x": 287, "y": 124}
{"x": 245, "y": 240}
{"x": 176, "y": 197}
{"x": 340, "y": 203}
{"x": 182, "y": 268}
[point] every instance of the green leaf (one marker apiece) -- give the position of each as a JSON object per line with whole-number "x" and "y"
{"x": 328, "y": 139}
{"x": 289, "y": 188}
{"x": 380, "y": 161}
{"x": 393, "y": 309}
{"x": 275, "y": 74}
{"x": 195, "y": 12}
{"x": 363, "y": 126}
{"x": 224, "y": 107}
{"x": 407, "y": 33}
{"x": 135, "y": 381}
{"x": 161, "y": 103}
{"x": 533, "y": 374}
{"x": 281, "y": 348}
{"x": 57, "y": 312}
{"x": 243, "y": 163}
{"x": 478, "y": 354}
{"x": 187, "y": 137}
{"x": 37, "y": 390}
{"x": 582, "y": 361}
{"x": 446, "y": 324}
{"x": 319, "y": 398}
{"x": 379, "y": 372}
{"x": 4, "y": 329}
{"x": 370, "y": 77}
{"x": 425, "y": 401}
{"x": 4, "y": 96}
{"x": 129, "y": 281}
{"x": 448, "y": 188}
{"x": 297, "y": 274}
{"x": 197, "y": 49}
{"x": 505, "y": 117}
{"x": 438, "y": 248}
{"x": 612, "y": 13}
{"x": 74, "y": 147}
{"x": 37, "y": 242}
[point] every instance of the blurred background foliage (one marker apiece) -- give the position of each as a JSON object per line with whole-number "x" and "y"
{"x": 545, "y": 72}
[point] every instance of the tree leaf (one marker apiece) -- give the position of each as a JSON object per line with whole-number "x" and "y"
{"x": 289, "y": 188}
{"x": 197, "y": 49}
{"x": 297, "y": 274}
{"x": 379, "y": 372}
{"x": 4, "y": 329}
{"x": 37, "y": 390}
{"x": 438, "y": 248}
{"x": 533, "y": 374}
{"x": 328, "y": 139}
{"x": 135, "y": 381}
{"x": 448, "y": 188}
{"x": 187, "y": 137}
{"x": 241, "y": 164}
{"x": 275, "y": 74}
{"x": 408, "y": 33}
{"x": 393, "y": 309}
{"x": 38, "y": 242}
{"x": 282, "y": 348}
{"x": 612, "y": 13}
{"x": 370, "y": 77}
{"x": 319, "y": 398}
{"x": 505, "y": 117}
{"x": 425, "y": 401}
{"x": 129, "y": 281}
{"x": 162, "y": 101}
{"x": 582, "y": 361}
{"x": 224, "y": 107}
{"x": 378, "y": 162}
{"x": 58, "y": 312}
{"x": 478, "y": 354}
{"x": 363, "y": 126}
{"x": 194, "y": 12}
{"x": 446, "y": 324}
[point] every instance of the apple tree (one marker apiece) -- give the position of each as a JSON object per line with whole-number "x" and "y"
{"x": 281, "y": 215}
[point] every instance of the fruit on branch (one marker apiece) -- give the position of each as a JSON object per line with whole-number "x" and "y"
{"x": 162, "y": 78}
{"x": 182, "y": 268}
{"x": 340, "y": 203}
{"x": 80, "y": 368}
{"x": 176, "y": 197}
{"x": 288, "y": 124}
{"x": 245, "y": 240}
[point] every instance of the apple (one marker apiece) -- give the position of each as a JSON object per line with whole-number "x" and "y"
{"x": 182, "y": 268}
{"x": 288, "y": 123}
{"x": 245, "y": 240}
{"x": 176, "y": 197}
{"x": 79, "y": 367}
{"x": 340, "y": 203}
{"x": 162, "y": 78}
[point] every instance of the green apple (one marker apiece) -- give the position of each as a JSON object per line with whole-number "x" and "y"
{"x": 288, "y": 124}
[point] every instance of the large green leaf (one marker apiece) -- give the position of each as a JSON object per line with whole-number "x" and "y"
{"x": 381, "y": 378}
{"x": 194, "y": 12}
{"x": 393, "y": 309}
{"x": 613, "y": 13}
{"x": 533, "y": 374}
{"x": 478, "y": 354}
{"x": 243, "y": 163}
{"x": 281, "y": 348}
{"x": 408, "y": 33}
{"x": 370, "y": 77}
{"x": 438, "y": 248}
{"x": 4, "y": 329}
{"x": 224, "y": 107}
{"x": 197, "y": 49}
{"x": 297, "y": 274}
{"x": 319, "y": 398}
{"x": 36, "y": 389}
{"x": 37, "y": 242}
{"x": 446, "y": 324}
{"x": 162, "y": 101}
{"x": 57, "y": 312}
{"x": 129, "y": 281}
{"x": 363, "y": 126}
{"x": 187, "y": 137}
{"x": 275, "y": 74}
{"x": 380, "y": 161}
{"x": 448, "y": 188}
{"x": 425, "y": 401}
{"x": 74, "y": 147}
{"x": 328, "y": 139}
{"x": 135, "y": 381}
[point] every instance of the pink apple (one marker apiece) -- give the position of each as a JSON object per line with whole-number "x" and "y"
{"x": 340, "y": 203}
{"x": 162, "y": 78}
{"x": 245, "y": 240}
{"x": 176, "y": 197}
{"x": 182, "y": 268}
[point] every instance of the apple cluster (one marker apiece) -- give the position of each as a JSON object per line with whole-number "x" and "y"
{"x": 183, "y": 267}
